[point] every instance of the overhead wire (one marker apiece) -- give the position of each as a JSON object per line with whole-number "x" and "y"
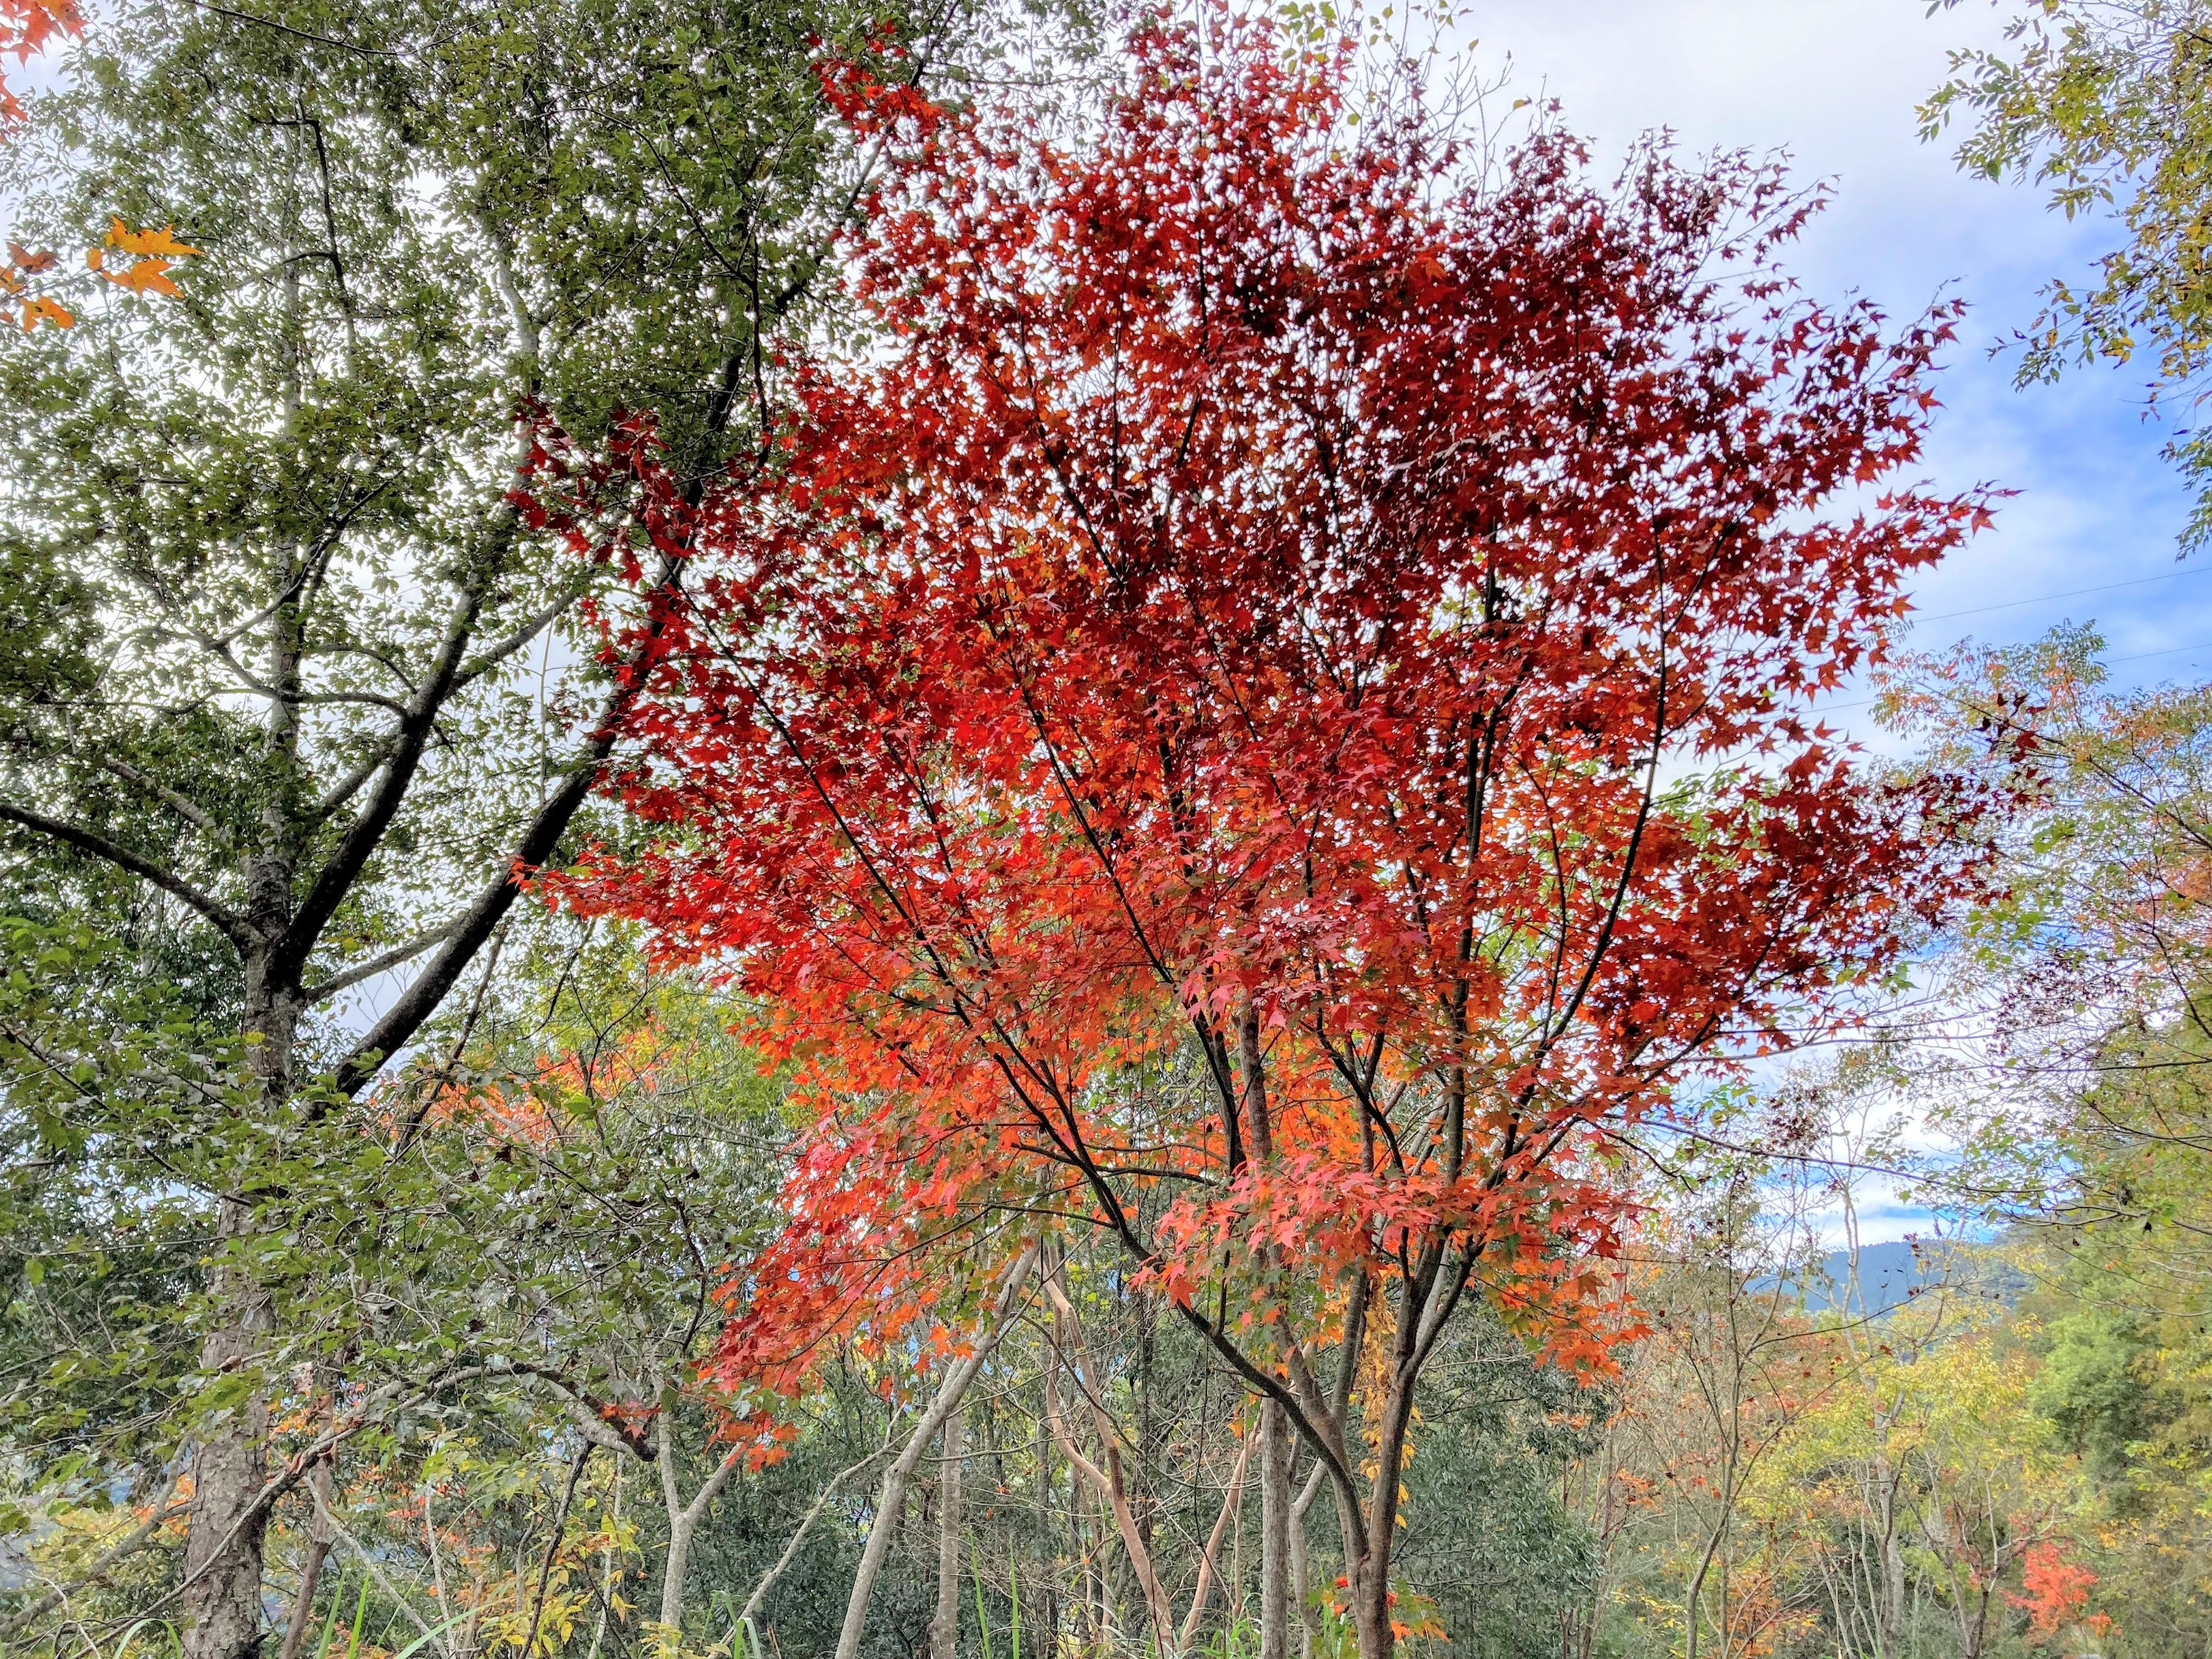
{"x": 2067, "y": 594}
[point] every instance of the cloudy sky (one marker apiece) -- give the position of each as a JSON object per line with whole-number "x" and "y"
{"x": 1834, "y": 83}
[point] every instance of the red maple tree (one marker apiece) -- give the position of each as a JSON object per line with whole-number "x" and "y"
{"x": 1267, "y": 714}
{"x": 25, "y": 27}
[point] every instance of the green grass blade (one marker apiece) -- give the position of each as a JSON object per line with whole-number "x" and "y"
{"x": 982, "y": 1620}
{"x": 331, "y": 1624}
{"x": 130, "y": 1635}
{"x": 429, "y": 1636}
{"x": 360, "y": 1611}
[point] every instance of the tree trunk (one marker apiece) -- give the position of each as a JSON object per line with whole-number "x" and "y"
{"x": 1889, "y": 1612}
{"x": 682, "y": 1518}
{"x": 223, "y": 1548}
{"x": 1275, "y": 1532}
{"x": 1301, "y": 1577}
{"x": 901, "y": 1473}
{"x": 223, "y": 1543}
{"x": 673, "y": 1572}
{"x": 1369, "y": 1568}
{"x": 1275, "y": 1429}
{"x": 945, "y": 1628}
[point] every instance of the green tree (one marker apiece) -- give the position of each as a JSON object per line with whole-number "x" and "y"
{"x": 289, "y": 692}
{"x": 2107, "y": 106}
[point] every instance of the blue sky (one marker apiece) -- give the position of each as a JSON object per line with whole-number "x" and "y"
{"x": 1835, "y": 84}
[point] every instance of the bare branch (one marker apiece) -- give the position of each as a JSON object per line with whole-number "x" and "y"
{"x": 404, "y": 952}
{"x": 820, "y": 1502}
{"x": 232, "y": 926}
{"x": 492, "y": 655}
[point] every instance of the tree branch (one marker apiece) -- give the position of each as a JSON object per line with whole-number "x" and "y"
{"x": 183, "y": 805}
{"x": 820, "y": 1502}
{"x": 346, "y": 787}
{"x": 589, "y": 1414}
{"x": 406, "y": 952}
{"x": 232, "y": 926}
{"x": 539, "y": 839}
{"x": 492, "y": 655}
{"x": 417, "y": 720}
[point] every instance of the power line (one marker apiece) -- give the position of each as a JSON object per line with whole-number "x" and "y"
{"x": 2069, "y": 593}
{"x": 2171, "y": 651}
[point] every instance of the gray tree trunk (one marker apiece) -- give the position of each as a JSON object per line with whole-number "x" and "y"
{"x": 684, "y": 1517}
{"x": 945, "y": 1628}
{"x": 223, "y": 1549}
{"x": 223, "y": 1543}
{"x": 1275, "y": 1505}
{"x": 900, "y": 1475}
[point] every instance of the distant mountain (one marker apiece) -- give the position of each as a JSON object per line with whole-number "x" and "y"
{"x": 1889, "y": 1275}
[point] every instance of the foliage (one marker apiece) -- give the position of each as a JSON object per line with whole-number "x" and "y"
{"x": 2105, "y": 104}
{"x": 288, "y": 690}
{"x": 1198, "y": 688}
{"x": 25, "y": 26}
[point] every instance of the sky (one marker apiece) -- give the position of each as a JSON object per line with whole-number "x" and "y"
{"x": 1835, "y": 84}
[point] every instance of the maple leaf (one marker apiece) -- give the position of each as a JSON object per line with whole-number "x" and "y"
{"x": 31, "y": 262}
{"x": 43, "y": 310}
{"x": 25, "y": 27}
{"x": 1266, "y": 681}
{"x": 145, "y": 275}
{"x": 2057, "y": 1589}
{"x": 160, "y": 244}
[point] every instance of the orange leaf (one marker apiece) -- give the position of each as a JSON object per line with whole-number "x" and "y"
{"x": 148, "y": 276}
{"x": 160, "y": 244}
{"x": 47, "y": 310}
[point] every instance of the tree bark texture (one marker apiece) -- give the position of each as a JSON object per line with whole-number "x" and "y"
{"x": 1275, "y": 1503}
{"x": 223, "y": 1548}
{"x": 945, "y": 1628}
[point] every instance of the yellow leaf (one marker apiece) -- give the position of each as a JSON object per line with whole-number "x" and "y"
{"x": 162, "y": 244}
{"x": 47, "y": 310}
{"x": 147, "y": 276}
{"x": 93, "y": 258}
